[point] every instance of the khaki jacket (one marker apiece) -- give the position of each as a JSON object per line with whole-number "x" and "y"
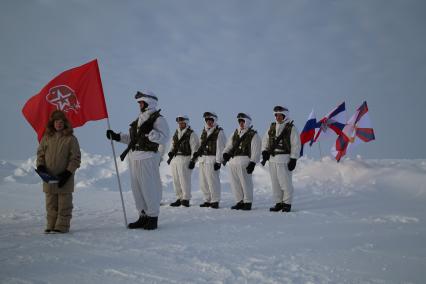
{"x": 59, "y": 153}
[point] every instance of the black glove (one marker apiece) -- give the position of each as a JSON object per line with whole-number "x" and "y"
{"x": 112, "y": 135}
{"x": 191, "y": 165}
{"x": 42, "y": 168}
{"x": 265, "y": 155}
{"x": 226, "y": 157}
{"x": 216, "y": 166}
{"x": 292, "y": 164}
{"x": 64, "y": 177}
{"x": 196, "y": 155}
{"x": 250, "y": 167}
{"x": 170, "y": 154}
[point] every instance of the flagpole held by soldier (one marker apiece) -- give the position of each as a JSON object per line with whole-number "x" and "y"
{"x": 118, "y": 177}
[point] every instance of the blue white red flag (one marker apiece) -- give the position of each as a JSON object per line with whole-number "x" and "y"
{"x": 334, "y": 120}
{"x": 358, "y": 126}
{"x": 308, "y": 132}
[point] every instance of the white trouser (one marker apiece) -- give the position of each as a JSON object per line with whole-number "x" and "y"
{"x": 282, "y": 185}
{"x": 209, "y": 181}
{"x": 146, "y": 184}
{"x": 241, "y": 181}
{"x": 181, "y": 176}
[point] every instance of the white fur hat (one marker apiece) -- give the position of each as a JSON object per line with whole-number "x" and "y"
{"x": 182, "y": 118}
{"x": 210, "y": 114}
{"x": 148, "y": 97}
{"x": 281, "y": 110}
{"x": 246, "y": 117}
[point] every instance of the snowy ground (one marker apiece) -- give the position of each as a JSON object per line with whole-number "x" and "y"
{"x": 360, "y": 221}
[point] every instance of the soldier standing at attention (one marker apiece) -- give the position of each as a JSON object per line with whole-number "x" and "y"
{"x": 184, "y": 143}
{"x": 281, "y": 146}
{"x": 243, "y": 152}
{"x": 146, "y": 134}
{"x": 209, "y": 156}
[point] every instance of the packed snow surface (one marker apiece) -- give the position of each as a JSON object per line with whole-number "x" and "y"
{"x": 357, "y": 221}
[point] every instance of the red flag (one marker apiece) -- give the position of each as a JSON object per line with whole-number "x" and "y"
{"x": 78, "y": 92}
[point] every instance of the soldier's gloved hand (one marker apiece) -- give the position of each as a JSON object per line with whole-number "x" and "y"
{"x": 191, "y": 165}
{"x": 64, "y": 177}
{"x": 196, "y": 155}
{"x": 265, "y": 155}
{"x": 291, "y": 164}
{"x": 226, "y": 157}
{"x": 170, "y": 154}
{"x": 112, "y": 135}
{"x": 42, "y": 168}
{"x": 216, "y": 166}
{"x": 250, "y": 167}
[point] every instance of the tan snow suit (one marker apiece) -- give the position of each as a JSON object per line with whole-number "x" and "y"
{"x": 58, "y": 152}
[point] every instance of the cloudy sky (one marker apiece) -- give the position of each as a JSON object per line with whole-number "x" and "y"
{"x": 223, "y": 56}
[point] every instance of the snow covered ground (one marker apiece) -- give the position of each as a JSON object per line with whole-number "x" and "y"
{"x": 360, "y": 221}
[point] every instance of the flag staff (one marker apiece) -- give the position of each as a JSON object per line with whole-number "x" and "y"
{"x": 118, "y": 176}
{"x": 319, "y": 147}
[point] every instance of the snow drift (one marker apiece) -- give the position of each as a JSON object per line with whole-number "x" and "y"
{"x": 355, "y": 221}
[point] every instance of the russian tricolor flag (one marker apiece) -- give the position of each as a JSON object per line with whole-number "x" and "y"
{"x": 308, "y": 132}
{"x": 335, "y": 120}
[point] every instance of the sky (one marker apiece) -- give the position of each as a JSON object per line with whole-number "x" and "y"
{"x": 223, "y": 56}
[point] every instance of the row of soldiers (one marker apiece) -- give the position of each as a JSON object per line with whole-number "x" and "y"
{"x": 241, "y": 152}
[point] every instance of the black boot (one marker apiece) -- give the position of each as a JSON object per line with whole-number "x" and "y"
{"x": 151, "y": 223}
{"x": 286, "y": 207}
{"x": 238, "y": 206}
{"x": 205, "y": 204}
{"x": 176, "y": 203}
{"x": 140, "y": 223}
{"x": 214, "y": 205}
{"x": 246, "y": 206}
{"x": 185, "y": 203}
{"x": 277, "y": 207}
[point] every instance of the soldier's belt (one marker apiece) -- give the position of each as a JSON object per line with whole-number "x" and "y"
{"x": 279, "y": 153}
{"x": 140, "y": 148}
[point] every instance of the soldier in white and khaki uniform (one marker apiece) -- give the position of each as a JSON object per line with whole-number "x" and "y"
{"x": 209, "y": 156}
{"x": 243, "y": 152}
{"x": 184, "y": 143}
{"x": 146, "y": 134}
{"x": 281, "y": 146}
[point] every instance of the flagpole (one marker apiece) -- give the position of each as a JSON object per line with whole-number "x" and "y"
{"x": 319, "y": 147}
{"x": 118, "y": 177}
